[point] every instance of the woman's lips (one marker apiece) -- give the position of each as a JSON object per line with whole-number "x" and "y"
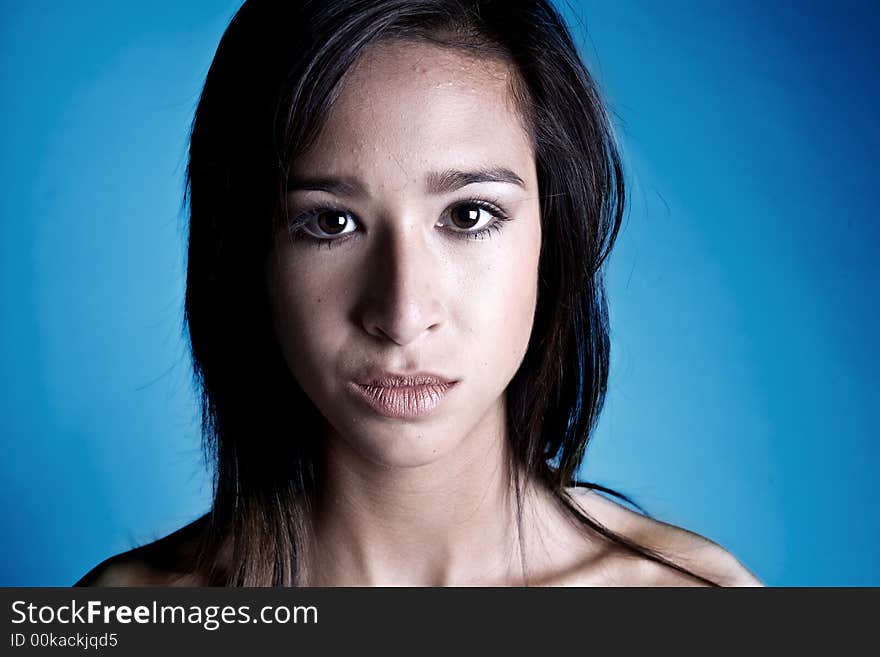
{"x": 407, "y": 401}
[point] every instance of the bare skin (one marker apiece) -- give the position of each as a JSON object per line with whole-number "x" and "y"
{"x": 570, "y": 559}
{"x": 426, "y": 501}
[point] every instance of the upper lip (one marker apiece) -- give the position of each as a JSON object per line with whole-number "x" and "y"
{"x": 396, "y": 380}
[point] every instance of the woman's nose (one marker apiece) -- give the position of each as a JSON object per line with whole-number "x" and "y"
{"x": 402, "y": 293}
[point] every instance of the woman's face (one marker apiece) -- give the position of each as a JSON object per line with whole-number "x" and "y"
{"x": 412, "y": 247}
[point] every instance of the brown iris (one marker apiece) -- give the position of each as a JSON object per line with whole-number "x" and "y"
{"x": 332, "y": 222}
{"x": 465, "y": 216}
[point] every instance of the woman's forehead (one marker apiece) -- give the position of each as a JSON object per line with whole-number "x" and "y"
{"x": 406, "y": 62}
{"x": 420, "y": 107}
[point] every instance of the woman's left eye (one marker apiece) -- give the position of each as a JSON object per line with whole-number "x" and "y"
{"x": 475, "y": 219}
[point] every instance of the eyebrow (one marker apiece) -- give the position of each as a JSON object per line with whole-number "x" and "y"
{"x": 436, "y": 182}
{"x": 443, "y": 182}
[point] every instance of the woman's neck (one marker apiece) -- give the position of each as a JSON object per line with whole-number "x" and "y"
{"x": 451, "y": 521}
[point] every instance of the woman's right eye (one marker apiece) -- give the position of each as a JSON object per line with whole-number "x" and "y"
{"x": 325, "y": 224}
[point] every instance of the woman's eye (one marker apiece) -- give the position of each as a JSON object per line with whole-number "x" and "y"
{"x": 326, "y": 224}
{"x": 473, "y": 217}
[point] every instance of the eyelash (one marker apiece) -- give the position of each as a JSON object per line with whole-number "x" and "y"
{"x": 295, "y": 227}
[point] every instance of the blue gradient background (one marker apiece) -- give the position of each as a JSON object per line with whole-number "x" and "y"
{"x": 743, "y": 401}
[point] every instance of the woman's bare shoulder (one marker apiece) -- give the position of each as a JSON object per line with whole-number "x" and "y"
{"x": 693, "y": 552}
{"x": 165, "y": 562}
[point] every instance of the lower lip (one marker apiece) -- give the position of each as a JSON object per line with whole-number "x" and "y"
{"x": 405, "y": 402}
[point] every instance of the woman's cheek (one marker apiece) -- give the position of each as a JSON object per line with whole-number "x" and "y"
{"x": 505, "y": 308}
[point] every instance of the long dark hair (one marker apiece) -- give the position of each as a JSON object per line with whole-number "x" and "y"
{"x": 273, "y": 80}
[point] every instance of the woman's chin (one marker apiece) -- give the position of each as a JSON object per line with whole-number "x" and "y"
{"x": 401, "y": 444}
{"x": 453, "y": 432}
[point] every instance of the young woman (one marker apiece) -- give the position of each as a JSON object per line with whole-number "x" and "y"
{"x": 399, "y": 214}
